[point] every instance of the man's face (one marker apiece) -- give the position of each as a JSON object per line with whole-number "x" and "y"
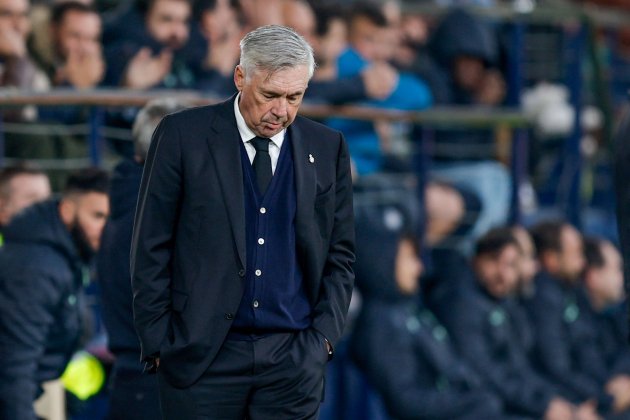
{"x": 78, "y": 33}
{"x": 608, "y": 280}
{"x": 23, "y": 191}
{"x": 571, "y": 256}
{"x": 333, "y": 42}
{"x": 408, "y": 267}
{"x": 528, "y": 265}
{"x": 14, "y": 15}
{"x": 468, "y": 72}
{"x": 499, "y": 274}
{"x": 366, "y": 38}
{"x": 270, "y": 102}
{"x": 85, "y": 215}
{"x": 299, "y": 16}
{"x": 167, "y": 22}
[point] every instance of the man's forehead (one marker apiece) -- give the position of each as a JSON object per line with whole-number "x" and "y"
{"x": 290, "y": 77}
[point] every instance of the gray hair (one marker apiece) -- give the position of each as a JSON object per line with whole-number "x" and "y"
{"x": 273, "y": 48}
{"x": 148, "y": 119}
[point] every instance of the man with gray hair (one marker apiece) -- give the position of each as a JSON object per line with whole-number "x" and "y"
{"x": 133, "y": 395}
{"x": 243, "y": 245}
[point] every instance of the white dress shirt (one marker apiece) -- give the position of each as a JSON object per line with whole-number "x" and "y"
{"x": 246, "y": 135}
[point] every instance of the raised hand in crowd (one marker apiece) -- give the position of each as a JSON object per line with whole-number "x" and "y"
{"x": 587, "y": 411}
{"x": 559, "y": 409}
{"x": 12, "y": 41}
{"x": 145, "y": 70}
{"x": 83, "y": 69}
{"x": 380, "y": 80}
{"x": 492, "y": 88}
{"x": 619, "y": 388}
{"x": 223, "y": 48}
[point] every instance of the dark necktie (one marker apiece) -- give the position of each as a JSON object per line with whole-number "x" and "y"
{"x": 262, "y": 163}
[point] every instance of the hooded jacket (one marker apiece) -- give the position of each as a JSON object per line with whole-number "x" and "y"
{"x": 41, "y": 275}
{"x": 405, "y": 353}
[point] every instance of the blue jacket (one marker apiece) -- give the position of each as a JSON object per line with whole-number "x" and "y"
{"x": 410, "y": 93}
{"x": 41, "y": 276}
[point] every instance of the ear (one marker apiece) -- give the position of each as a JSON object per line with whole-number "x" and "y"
{"x": 239, "y": 77}
{"x": 67, "y": 211}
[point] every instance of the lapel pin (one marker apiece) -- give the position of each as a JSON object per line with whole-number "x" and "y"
{"x": 311, "y": 158}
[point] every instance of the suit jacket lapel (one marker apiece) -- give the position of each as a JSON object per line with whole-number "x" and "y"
{"x": 225, "y": 151}
{"x": 305, "y": 180}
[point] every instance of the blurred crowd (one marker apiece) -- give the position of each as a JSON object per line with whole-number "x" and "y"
{"x": 456, "y": 313}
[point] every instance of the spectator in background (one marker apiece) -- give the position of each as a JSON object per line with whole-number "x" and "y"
{"x": 20, "y": 187}
{"x": 155, "y": 58}
{"x": 133, "y": 395}
{"x": 433, "y": 382}
{"x": 328, "y": 42}
{"x": 603, "y": 280}
{"x": 565, "y": 333}
{"x": 220, "y": 32}
{"x": 369, "y": 45}
{"x": 43, "y": 265}
{"x": 76, "y": 34}
{"x": 258, "y": 13}
{"x": 465, "y": 50}
{"x": 17, "y": 68}
{"x": 480, "y": 321}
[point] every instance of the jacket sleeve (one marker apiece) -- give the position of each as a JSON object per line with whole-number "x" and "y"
{"x": 552, "y": 346}
{"x": 27, "y": 311}
{"x": 514, "y": 385}
{"x": 153, "y": 237}
{"x": 329, "y": 312}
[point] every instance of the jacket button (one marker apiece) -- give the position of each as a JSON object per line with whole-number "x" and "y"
{"x": 241, "y": 273}
{"x": 229, "y": 316}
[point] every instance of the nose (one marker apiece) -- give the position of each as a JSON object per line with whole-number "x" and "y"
{"x": 279, "y": 109}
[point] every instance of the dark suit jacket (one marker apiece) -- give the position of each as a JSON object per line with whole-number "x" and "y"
{"x": 188, "y": 249}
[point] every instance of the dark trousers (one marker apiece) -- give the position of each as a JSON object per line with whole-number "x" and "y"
{"x": 280, "y": 376}
{"x": 133, "y": 396}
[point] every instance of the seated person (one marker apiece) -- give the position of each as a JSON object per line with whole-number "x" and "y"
{"x": 480, "y": 322}
{"x": 565, "y": 348}
{"x": 405, "y": 353}
{"x": 603, "y": 281}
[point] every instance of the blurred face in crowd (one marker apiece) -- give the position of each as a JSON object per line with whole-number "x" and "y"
{"x": 408, "y": 267}
{"x": 367, "y": 38}
{"x": 333, "y": 42}
{"x": 298, "y": 15}
{"x": 605, "y": 284}
{"x": 85, "y": 215}
{"x": 569, "y": 262}
{"x": 14, "y": 17}
{"x": 167, "y": 22}
{"x": 215, "y": 22}
{"x": 78, "y": 33}
{"x": 499, "y": 273}
{"x": 528, "y": 265}
{"x": 20, "y": 192}
{"x": 269, "y": 101}
{"x": 468, "y": 72}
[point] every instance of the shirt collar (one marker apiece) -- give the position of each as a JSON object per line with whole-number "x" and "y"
{"x": 246, "y": 133}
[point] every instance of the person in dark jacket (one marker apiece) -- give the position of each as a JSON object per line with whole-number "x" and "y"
{"x": 465, "y": 48}
{"x": 405, "y": 353}
{"x": 481, "y": 322}
{"x": 43, "y": 266}
{"x": 603, "y": 281}
{"x": 20, "y": 187}
{"x": 565, "y": 347}
{"x": 133, "y": 395}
